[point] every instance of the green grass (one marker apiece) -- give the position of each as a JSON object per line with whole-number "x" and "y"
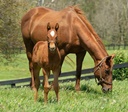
{"x": 89, "y": 99}
{"x": 19, "y": 67}
{"x": 16, "y": 69}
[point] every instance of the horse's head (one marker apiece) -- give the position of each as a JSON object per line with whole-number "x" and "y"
{"x": 103, "y": 73}
{"x": 52, "y": 36}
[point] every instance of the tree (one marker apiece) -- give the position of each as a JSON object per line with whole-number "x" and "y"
{"x": 110, "y": 21}
{"x": 10, "y": 19}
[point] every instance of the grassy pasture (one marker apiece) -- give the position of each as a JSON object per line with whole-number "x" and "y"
{"x": 89, "y": 99}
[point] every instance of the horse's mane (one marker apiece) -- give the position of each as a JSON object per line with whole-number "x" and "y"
{"x": 81, "y": 15}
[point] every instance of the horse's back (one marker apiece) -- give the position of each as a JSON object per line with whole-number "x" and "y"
{"x": 41, "y": 15}
{"x": 29, "y": 18}
{"x": 44, "y": 58}
{"x": 40, "y": 52}
{"x": 38, "y": 11}
{"x": 35, "y": 27}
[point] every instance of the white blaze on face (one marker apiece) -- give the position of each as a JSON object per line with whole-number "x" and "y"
{"x": 52, "y": 33}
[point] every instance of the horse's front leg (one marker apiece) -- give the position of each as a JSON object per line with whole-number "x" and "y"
{"x": 79, "y": 61}
{"x": 46, "y": 85}
{"x": 56, "y": 74}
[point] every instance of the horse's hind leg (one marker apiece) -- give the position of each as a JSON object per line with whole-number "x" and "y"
{"x": 79, "y": 61}
{"x": 29, "y": 48}
{"x": 34, "y": 85}
{"x": 36, "y": 80}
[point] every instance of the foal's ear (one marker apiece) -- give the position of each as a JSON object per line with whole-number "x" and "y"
{"x": 57, "y": 26}
{"x": 48, "y": 26}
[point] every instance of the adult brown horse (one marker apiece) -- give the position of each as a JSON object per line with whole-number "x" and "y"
{"x": 75, "y": 35}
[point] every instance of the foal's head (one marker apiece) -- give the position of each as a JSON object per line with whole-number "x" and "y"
{"x": 52, "y": 36}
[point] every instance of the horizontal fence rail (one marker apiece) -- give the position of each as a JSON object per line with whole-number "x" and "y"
{"x": 64, "y": 77}
{"x": 116, "y": 47}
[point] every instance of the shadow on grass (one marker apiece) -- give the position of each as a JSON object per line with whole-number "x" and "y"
{"x": 89, "y": 89}
{"x": 85, "y": 88}
{"x": 50, "y": 100}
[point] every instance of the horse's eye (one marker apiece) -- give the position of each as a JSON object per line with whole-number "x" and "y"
{"x": 107, "y": 71}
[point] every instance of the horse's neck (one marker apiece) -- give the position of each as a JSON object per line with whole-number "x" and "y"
{"x": 90, "y": 43}
{"x": 97, "y": 52}
{"x": 53, "y": 54}
{"x": 54, "y": 57}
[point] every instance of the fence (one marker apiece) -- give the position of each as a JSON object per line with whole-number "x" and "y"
{"x": 64, "y": 77}
{"x": 117, "y": 47}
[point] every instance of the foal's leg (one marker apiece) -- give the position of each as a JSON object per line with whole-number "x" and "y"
{"x": 48, "y": 75}
{"x": 56, "y": 74}
{"x": 79, "y": 61}
{"x": 47, "y": 87}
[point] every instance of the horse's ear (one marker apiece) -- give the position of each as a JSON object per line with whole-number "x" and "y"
{"x": 112, "y": 56}
{"x": 48, "y": 26}
{"x": 57, "y": 26}
{"x": 109, "y": 60}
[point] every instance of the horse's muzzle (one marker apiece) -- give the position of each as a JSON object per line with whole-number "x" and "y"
{"x": 105, "y": 89}
{"x": 52, "y": 49}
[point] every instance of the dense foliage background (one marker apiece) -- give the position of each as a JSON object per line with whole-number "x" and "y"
{"x": 120, "y": 73}
{"x": 108, "y": 17}
{"x": 11, "y": 12}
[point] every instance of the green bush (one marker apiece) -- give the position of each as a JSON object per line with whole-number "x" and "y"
{"x": 121, "y": 73}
